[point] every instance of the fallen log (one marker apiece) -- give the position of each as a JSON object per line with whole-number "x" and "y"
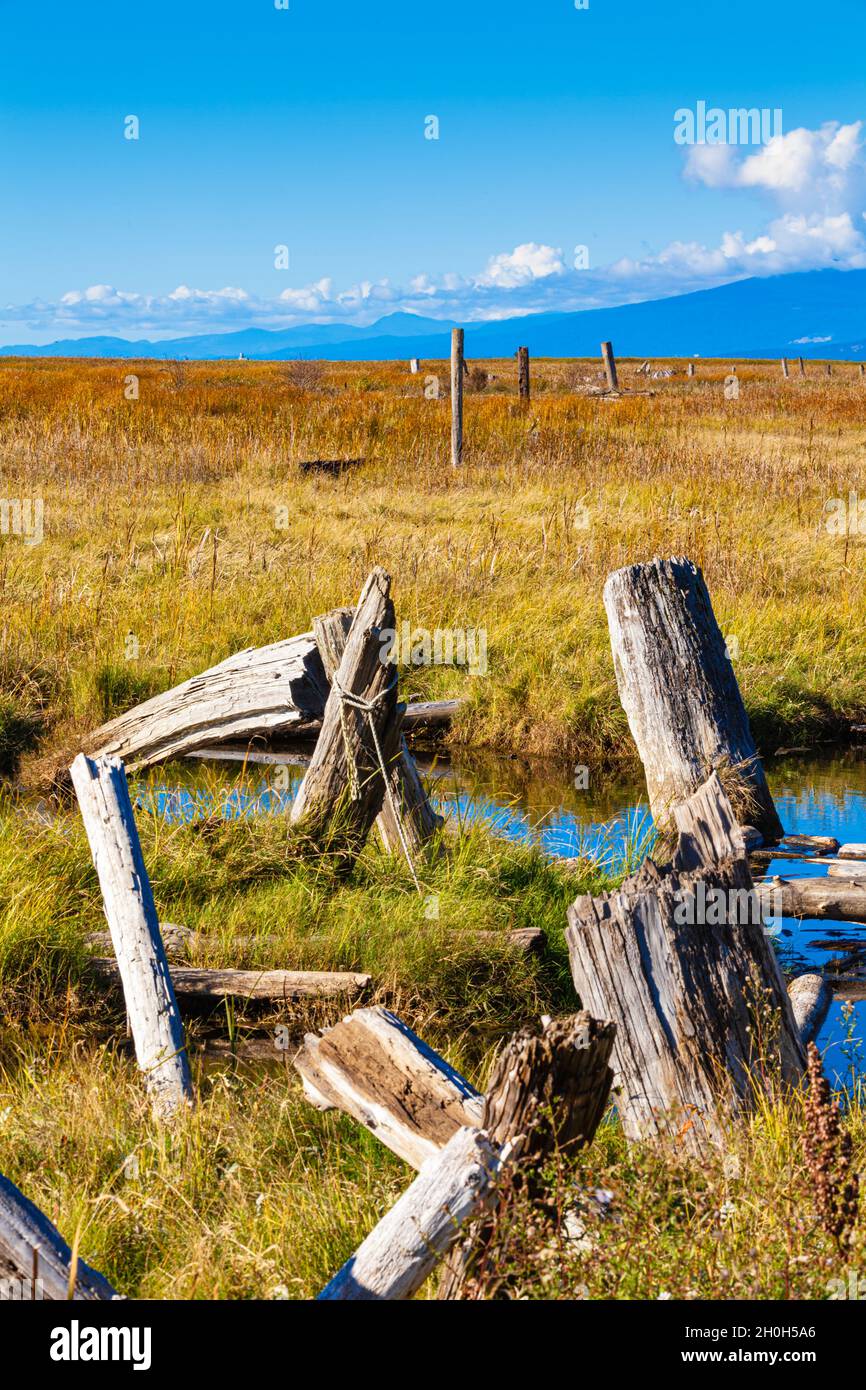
{"x": 677, "y": 686}
{"x": 679, "y": 958}
{"x": 847, "y": 868}
{"x": 830, "y": 899}
{"x": 343, "y": 788}
{"x": 820, "y": 844}
{"x": 852, "y": 851}
{"x": 811, "y": 998}
{"x": 258, "y": 693}
{"x": 141, "y": 964}
{"x": 399, "y": 1253}
{"x": 406, "y": 819}
{"x": 373, "y": 1067}
{"x": 35, "y": 1261}
{"x": 273, "y": 986}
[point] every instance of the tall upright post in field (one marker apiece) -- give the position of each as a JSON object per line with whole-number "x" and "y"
{"x": 609, "y": 366}
{"x": 157, "y": 1030}
{"x": 456, "y": 397}
{"x": 785, "y": 372}
{"x": 801, "y": 366}
{"x": 829, "y": 368}
{"x": 691, "y": 369}
{"x": 677, "y": 686}
{"x": 523, "y": 373}
{"x": 862, "y": 369}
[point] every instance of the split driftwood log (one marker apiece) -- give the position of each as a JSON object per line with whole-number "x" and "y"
{"x": 258, "y": 693}
{"x": 829, "y": 899}
{"x": 549, "y": 1088}
{"x": 154, "y": 1020}
{"x": 35, "y": 1261}
{"x": 406, "y": 817}
{"x": 343, "y": 788}
{"x": 678, "y": 957}
{"x": 373, "y": 1067}
{"x": 273, "y": 986}
{"x": 678, "y": 689}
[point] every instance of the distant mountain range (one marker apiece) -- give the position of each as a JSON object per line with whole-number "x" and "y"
{"x": 813, "y": 314}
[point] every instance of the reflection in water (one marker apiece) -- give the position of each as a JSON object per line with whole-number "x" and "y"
{"x": 545, "y": 804}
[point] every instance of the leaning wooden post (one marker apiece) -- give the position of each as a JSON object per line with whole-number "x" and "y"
{"x": 342, "y": 792}
{"x": 36, "y": 1259}
{"x": 862, "y": 369}
{"x": 679, "y": 958}
{"x": 785, "y": 372}
{"x": 678, "y": 689}
{"x": 406, "y": 817}
{"x": 154, "y": 1019}
{"x": 456, "y": 397}
{"x": 547, "y": 1095}
{"x": 609, "y": 366}
{"x": 523, "y": 373}
{"x": 801, "y": 366}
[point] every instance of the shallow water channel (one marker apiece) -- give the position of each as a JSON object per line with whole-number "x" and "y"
{"x": 539, "y": 803}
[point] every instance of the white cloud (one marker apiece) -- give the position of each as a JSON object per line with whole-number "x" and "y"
{"x": 522, "y": 265}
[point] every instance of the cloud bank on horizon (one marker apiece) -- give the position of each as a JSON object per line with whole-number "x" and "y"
{"x": 814, "y": 182}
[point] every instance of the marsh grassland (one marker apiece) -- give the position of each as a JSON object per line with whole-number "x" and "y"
{"x": 183, "y": 520}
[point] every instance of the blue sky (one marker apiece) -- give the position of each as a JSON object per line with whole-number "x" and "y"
{"x": 304, "y": 127}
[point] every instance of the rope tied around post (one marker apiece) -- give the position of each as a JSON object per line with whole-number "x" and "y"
{"x": 368, "y": 708}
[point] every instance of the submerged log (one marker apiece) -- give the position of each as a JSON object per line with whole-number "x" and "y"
{"x": 258, "y": 693}
{"x": 678, "y": 957}
{"x": 141, "y": 964}
{"x": 343, "y": 789}
{"x": 677, "y": 686}
{"x": 35, "y": 1257}
{"x": 811, "y": 997}
{"x": 406, "y": 814}
{"x": 372, "y": 1066}
{"x": 274, "y": 986}
{"x": 829, "y": 899}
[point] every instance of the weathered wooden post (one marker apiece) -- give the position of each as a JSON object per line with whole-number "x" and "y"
{"x": 677, "y": 686}
{"x": 801, "y": 366}
{"x": 785, "y": 372}
{"x": 343, "y": 789}
{"x": 456, "y": 397}
{"x": 609, "y": 366}
{"x": 829, "y": 368}
{"x": 691, "y": 369}
{"x": 406, "y": 820}
{"x": 862, "y": 369}
{"x": 154, "y": 1019}
{"x": 810, "y": 997}
{"x": 523, "y": 373}
{"x": 34, "y": 1255}
{"x": 679, "y": 958}
{"x": 414, "y": 365}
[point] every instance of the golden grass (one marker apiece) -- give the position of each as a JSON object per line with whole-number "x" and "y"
{"x": 162, "y": 518}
